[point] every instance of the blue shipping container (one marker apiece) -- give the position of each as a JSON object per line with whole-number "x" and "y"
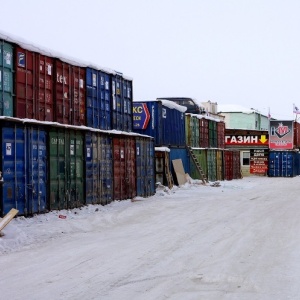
{"x": 98, "y": 99}
{"x": 24, "y": 169}
{"x": 179, "y": 153}
{"x": 145, "y": 167}
{"x": 283, "y": 164}
{"x": 121, "y": 103}
{"x": 165, "y": 123}
{"x": 99, "y": 168}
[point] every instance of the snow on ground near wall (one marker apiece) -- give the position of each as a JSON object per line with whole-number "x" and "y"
{"x": 237, "y": 241}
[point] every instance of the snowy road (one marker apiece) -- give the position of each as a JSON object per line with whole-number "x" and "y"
{"x": 237, "y": 241}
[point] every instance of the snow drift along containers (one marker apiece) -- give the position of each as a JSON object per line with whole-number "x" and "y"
{"x": 99, "y": 168}
{"x": 121, "y": 103}
{"x": 164, "y": 120}
{"x": 24, "y": 167}
{"x": 6, "y": 79}
{"x": 70, "y": 94}
{"x": 98, "y": 99}
{"x": 124, "y": 166}
{"x": 34, "y": 85}
{"x": 66, "y": 168}
{"x": 145, "y": 175}
{"x": 283, "y": 164}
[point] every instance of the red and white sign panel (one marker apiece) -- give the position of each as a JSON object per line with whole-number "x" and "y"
{"x": 281, "y": 135}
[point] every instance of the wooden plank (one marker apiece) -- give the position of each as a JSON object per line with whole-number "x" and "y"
{"x": 179, "y": 170}
{"x": 8, "y": 217}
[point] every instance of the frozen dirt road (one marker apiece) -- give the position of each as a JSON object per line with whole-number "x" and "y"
{"x": 237, "y": 241}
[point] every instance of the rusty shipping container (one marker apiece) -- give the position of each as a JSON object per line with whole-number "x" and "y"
{"x": 70, "y": 93}
{"x": 33, "y": 85}
{"x": 228, "y": 164}
{"x": 221, "y": 135}
{"x": 192, "y": 130}
{"x": 203, "y": 133}
{"x": 124, "y": 166}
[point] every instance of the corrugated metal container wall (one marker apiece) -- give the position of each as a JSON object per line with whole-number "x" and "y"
{"x": 179, "y": 153}
{"x": 236, "y": 164}
{"x": 98, "y": 100}
{"x": 188, "y": 132}
{"x": 296, "y": 135}
{"x": 6, "y": 79}
{"x": 145, "y": 167}
{"x": 34, "y": 85}
{"x": 195, "y": 130}
{"x": 221, "y": 134}
{"x": 121, "y": 103}
{"x": 99, "y": 169}
{"x": 24, "y": 165}
{"x": 66, "y": 169}
{"x": 69, "y": 94}
{"x": 213, "y": 134}
{"x": 160, "y": 166}
{"x": 166, "y": 125}
{"x": 211, "y": 165}
{"x": 203, "y": 134}
{"x": 124, "y": 165}
{"x": 228, "y": 164}
{"x": 283, "y": 164}
{"x": 201, "y": 156}
{"x": 219, "y": 165}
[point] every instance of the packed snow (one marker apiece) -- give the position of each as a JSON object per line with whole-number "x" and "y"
{"x": 238, "y": 239}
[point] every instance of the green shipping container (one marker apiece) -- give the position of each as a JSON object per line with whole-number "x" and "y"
{"x": 201, "y": 157}
{"x": 66, "y": 169}
{"x": 211, "y": 165}
{"x": 6, "y": 79}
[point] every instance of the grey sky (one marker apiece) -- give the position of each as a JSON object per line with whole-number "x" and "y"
{"x": 244, "y": 52}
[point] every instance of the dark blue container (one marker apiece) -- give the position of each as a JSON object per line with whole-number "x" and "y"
{"x": 179, "y": 153}
{"x": 121, "y": 103}
{"x": 283, "y": 164}
{"x": 160, "y": 120}
{"x": 99, "y": 168}
{"x": 145, "y": 166}
{"x": 24, "y": 169}
{"x": 98, "y": 99}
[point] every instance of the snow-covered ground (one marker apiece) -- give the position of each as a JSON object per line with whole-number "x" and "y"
{"x": 240, "y": 240}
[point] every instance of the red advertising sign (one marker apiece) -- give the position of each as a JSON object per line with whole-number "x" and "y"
{"x": 258, "y": 161}
{"x": 281, "y": 135}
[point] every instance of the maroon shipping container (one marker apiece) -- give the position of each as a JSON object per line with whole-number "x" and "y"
{"x": 221, "y": 134}
{"x": 124, "y": 165}
{"x": 69, "y": 94}
{"x": 296, "y": 135}
{"x": 34, "y": 85}
{"x": 228, "y": 164}
{"x": 203, "y": 133}
{"x": 236, "y": 165}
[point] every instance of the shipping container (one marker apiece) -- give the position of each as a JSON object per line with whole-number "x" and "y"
{"x": 211, "y": 164}
{"x": 221, "y": 135}
{"x": 283, "y": 164}
{"x": 99, "y": 168}
{"x": 204, "y": 133}
{"x": 145, "y": 174}
{"x": 124, "y": 166}
{"x": 182, "y": 154}
{"x": 70, "y": 93}
{"x": 34, "y": 85}
{"x": 201, "y": 156}
{"x": 121, "y": 103}
{"x": 192, "y": 130}
{"x": 6, "y": 79}
{"x": 66, "y": 178}
{"x": 98, "y": 99}
{"x": 237, "y": 173}
{"x": 296, "y": 135}
{"x": 162, "y": 161}
{"x": 163, "y": 120}
{"x": 219, "y": 164}
{"x": 228, "y": 164}
{"x": 24, "y": 168}
{"x": 212, "y": 134}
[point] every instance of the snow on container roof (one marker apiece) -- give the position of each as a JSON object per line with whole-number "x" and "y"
{"x": 55, "y": 54}
{"x": 167, "y": 103}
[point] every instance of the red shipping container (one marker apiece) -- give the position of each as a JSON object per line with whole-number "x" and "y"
{"x": 296, "y": 135}
{"x": 124, "y": 168}
{"x": 34, "y": 85}
{"x": 228, "y": 164}
{"x": 221, "y": 134}
{"x": 69, "y": 94}
{"x": 203, "y": 133}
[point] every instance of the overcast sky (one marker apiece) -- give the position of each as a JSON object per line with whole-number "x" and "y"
{"x": 244, "y": 52}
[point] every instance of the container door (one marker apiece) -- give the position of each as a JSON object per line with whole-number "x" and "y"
{"x": 44, "y": 92}
{"x": 130, "y": 167}
{"x": 119, "y": 168}
{"x": 37, "y": 170}
{"x": 6, "y": 79}
{"x": 104, "y": 97}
